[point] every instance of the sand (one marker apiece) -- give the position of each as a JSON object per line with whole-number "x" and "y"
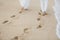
{"x": 26, "y": 25}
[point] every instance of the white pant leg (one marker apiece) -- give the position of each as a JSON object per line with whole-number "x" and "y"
{"x": 25, "y": 3}
{"x": 44, "y": 4}
{"x": 57, "y": 15}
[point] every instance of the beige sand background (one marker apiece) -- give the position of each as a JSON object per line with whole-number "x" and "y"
{"x": 28, "y": 19}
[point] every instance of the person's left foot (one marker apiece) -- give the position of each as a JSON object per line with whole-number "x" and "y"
{"x": 22, "y": 10}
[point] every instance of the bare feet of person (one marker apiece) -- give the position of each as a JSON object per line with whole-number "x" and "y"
{"x": 42, "y": 13}
{"x": 22, "y": 10}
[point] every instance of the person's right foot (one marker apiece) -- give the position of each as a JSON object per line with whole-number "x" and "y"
{"x": 42, "y": 13}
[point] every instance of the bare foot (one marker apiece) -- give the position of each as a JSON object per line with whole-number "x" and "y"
{"x": 21, "y": 10}
{"x": 44, "y": 13}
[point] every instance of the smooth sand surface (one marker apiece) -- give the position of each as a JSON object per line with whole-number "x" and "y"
{"x": 24, "y": 26}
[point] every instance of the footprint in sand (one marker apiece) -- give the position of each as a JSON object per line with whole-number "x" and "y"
{"x": 13, "y": 16}
{"x": 6, "y": 21}
{"x": 42, "y": 14}
{"x": 39, "y": 27}
{"x": 15, "y": 38}
{"x": 24, "y": 35}
{"x": 39, "y": 13}
{"x": 20, "y": 12}
{"x": 38, "y": 19}
{"x": 26, "y": 30}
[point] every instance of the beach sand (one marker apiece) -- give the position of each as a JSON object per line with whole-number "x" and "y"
{"x": 28, "y": 25}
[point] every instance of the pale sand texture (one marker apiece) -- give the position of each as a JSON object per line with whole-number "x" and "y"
{"x": 28, "y": 19}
